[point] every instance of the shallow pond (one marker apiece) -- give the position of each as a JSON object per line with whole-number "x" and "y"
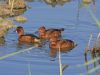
{"x": 38, "y": 59}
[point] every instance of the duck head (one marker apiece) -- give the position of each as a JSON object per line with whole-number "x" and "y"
{"x": 42, "y": 29}
{"x": 20, "y": 30}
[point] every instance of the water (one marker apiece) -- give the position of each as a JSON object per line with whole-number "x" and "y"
{"x": 39, "y": 59}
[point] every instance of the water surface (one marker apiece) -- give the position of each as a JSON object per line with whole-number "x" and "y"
{"x": 41, "y": 63}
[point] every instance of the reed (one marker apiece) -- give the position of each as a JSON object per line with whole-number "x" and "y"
{"x": 93, "y": 69}
{"x": 60, "y": 64}
{"x": 15, "y": 53}
{"x": 9, "y": 2}
{"x": 96, "y": 40}
{"x": 93, "y": 55}
{"x": 89, "y": 62}
{"x": 88, "y": 45}
{"x": 12, "y": 6}
{"x": 93, "y": 17}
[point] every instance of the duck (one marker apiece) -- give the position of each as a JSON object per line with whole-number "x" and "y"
{"x": 48, "y": 33}
{"x": 63, "y": 44}
{"x": 27, "y": 38}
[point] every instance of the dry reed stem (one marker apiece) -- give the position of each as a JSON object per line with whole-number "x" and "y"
{"x": 96, "y": 40}
{"x": 60, "y": 64}
{"x": 88, "y": 45}
{"x": 12, "y": 5}
{"x": 9, "y": 2}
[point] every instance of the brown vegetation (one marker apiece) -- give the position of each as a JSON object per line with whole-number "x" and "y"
{"x": 5, "y": 25}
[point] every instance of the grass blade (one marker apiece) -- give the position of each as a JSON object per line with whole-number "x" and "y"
{"x": 93, "y": 17}
{"x": 89, "y": 62}
{"x": 15, "y": 53}
{"x": 88, "y": 45}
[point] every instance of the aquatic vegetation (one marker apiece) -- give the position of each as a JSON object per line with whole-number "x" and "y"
{"x": 95, "y": 55}
{"x": 16, "y": 4}
{"x": 12, "y": 8}
{"x": 21, "y": 19}
{"x": 2, "y": 41}
{"x": 15, "y": 53}
{"x": 56, "y": 2}
{"x": 5, "y": 25}
{"x": 87, "y": 1}
{"x": 60, "y": 64}
{"x": 94, "y": 18}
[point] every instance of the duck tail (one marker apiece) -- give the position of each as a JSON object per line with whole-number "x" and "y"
{"x": 62, "y": 29}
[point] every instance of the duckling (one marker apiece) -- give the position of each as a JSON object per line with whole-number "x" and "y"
{"x": 48, "y": 33}
{"x": 63, "y": 44}
{"x": 29, "y": 38}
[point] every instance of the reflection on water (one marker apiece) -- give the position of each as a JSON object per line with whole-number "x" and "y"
{"x": 2, "y": 41}
{"x": 53, "y": 52}
{"x": 56, "y": 2}
{"x": 24, "y": 45}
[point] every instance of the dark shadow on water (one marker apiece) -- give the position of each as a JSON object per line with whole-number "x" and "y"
{"x": 2, "y": 41}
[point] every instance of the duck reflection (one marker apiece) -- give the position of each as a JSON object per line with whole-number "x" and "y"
{"x": 2, "y": 41}
{"x": 54, "y": 52}
{"x": 21, "y": 45}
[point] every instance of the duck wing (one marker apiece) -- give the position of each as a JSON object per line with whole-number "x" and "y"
{"x": 32, "y": 35}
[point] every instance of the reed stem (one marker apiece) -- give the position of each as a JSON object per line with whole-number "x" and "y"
{"x": 60, "y": 64}
{"x": 12, "y": 5}
{"x": 9, "y": 2}
{"x": 93, "y": 17}
{"x": 88, "y": 45}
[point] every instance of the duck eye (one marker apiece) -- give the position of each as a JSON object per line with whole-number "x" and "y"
{"x": 18, "y": 30}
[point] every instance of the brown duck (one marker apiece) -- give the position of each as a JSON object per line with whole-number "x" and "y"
{"x": 63, "y": 44}
{"x": 28, "y": 38}
{"x": 48, "y": 33}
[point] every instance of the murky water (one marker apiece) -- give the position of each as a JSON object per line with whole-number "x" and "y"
{"x": 39, "y": 59}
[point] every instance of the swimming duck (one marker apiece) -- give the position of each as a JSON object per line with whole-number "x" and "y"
{"x": 48, "y": 33}
{"x": 29, "y": 38}
{"x": 63, "y": 44}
